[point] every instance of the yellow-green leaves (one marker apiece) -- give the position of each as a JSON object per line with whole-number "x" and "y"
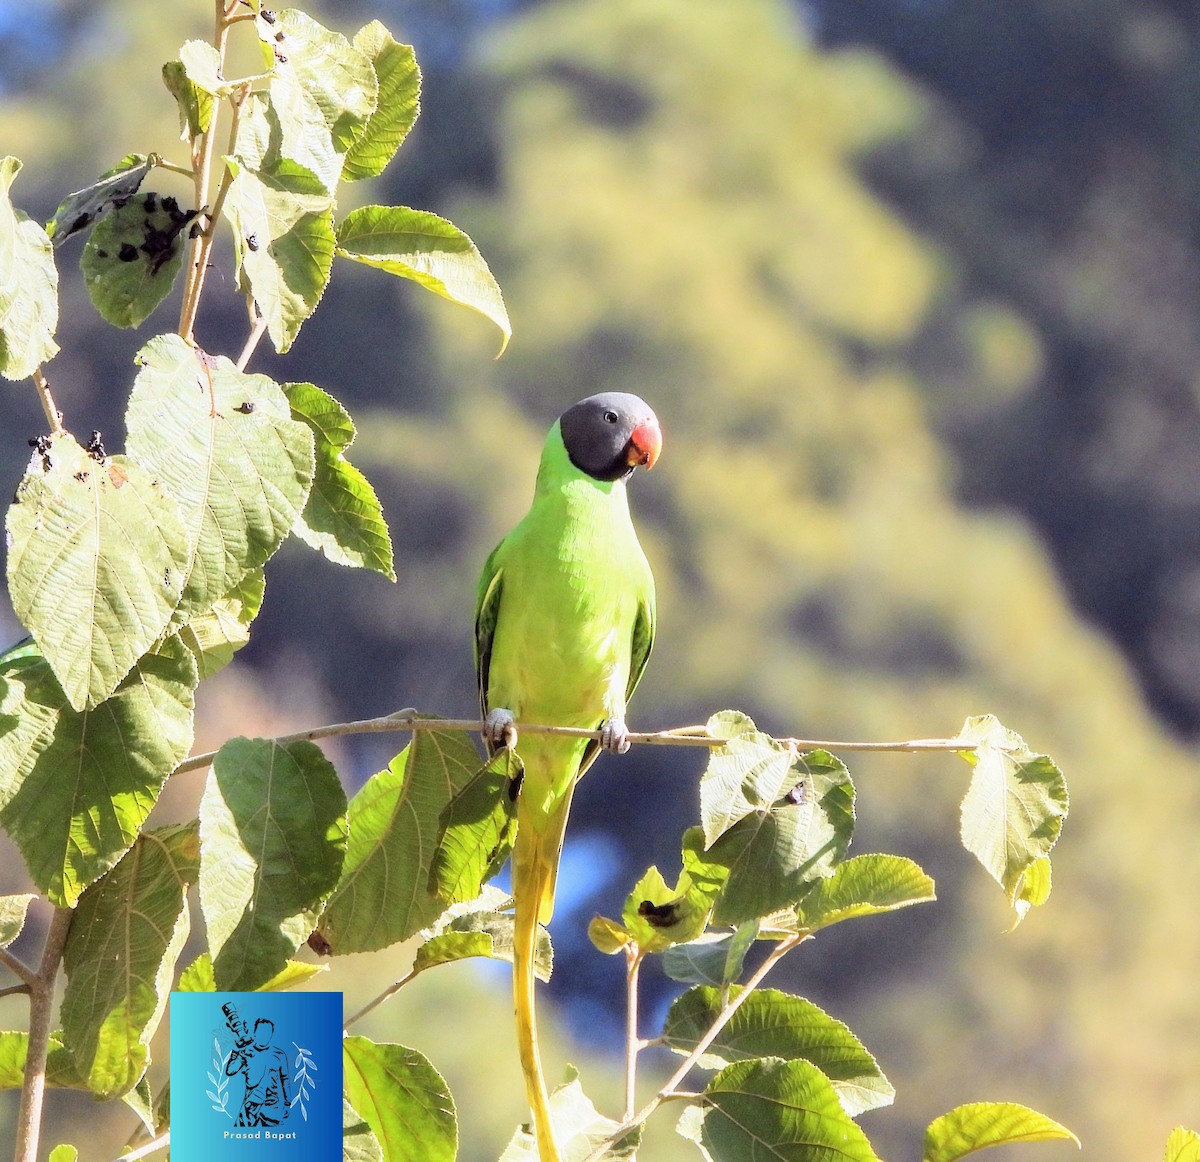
{"x": 578, "y": 1128}
{"x": 1183, "y": 1146}
{"x": 28, "y": 286}
{"x": 397, "y": 105}
{"x": 989, "y": 1123}
{"x": 864, "y": 886}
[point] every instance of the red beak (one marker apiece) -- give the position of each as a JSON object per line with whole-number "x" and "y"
{"x": 645, "y": 444}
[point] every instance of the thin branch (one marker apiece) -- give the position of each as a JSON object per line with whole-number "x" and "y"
{"x": 53, "y": 415}
{"x": 668, "y": 1090}
{"x": 18, "y": 967}
{"x": 14, "y": 988}
{"x": 163, "y": 1140}
{"x": 409, "y": 720}
{"x": 41, "y": 1012}
{"x": 633, "y": 1045}
{"x": 256, "y": 333}
{"x": 390, "y": 991}
{"x": 162, "y": 163}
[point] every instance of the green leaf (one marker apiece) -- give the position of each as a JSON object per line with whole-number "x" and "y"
{"x": 338, "y": 77}
{"x": 214, "y": 637}
{"x": 1183, "y": 1146}
{"x": 273, "y": 837}
{"x": 403, "y": 1099}
{"x": 28, "y": 286}
{"x": 12, "y": 917}
{"x": 712, "y": 958}
{"x": 128, "y": 931}
{"x": 769, "y": 1023}
{"x": 79, "y": 210}
{"x": 195, "y": 105}
{"x": 773, "y": 856}
{"x": 479, "y": 928}
{"x": 864, "y": 886}
{"x": 95, "y": 565}
{"x": 658, "y": 915}
{"x": 282, "y": 222}
{"x": 202, "y": 65}
{"x": 607, "y": 935}
{"x": 76, "y": 787}
{"x": 774, "y": 1109}
{"x": 285, "y": 123}
{"x": 397, "y": 107}
{"x": 64, "y": 1153}
{"x": 225, "y": 444}
{"x": 578, "y": 1128}
{"x": 476, "y": 830}
{"x": 988, "y": 1123}
{"x": 60, "y": 1065}
{"x": 198, "y": 977}
{"x": 140, "y": 1099}
{"x": 133, "y": 256}
{"x": 342, "y": 518}
{"x": 382, "y": 896}
{"x": 359, "y": 1143}
{"x": 1013, "y": 811}
{"x": 429, "y": 250}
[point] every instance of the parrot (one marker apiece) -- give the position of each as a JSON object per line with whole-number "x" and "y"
{"x": 564, "y": 623}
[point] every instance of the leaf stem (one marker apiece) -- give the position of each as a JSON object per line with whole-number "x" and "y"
{"x": 390, "y": 991}
{"x": 162, "y": 163}
{"x": 633, "y": 1045}
{"x": 256, "y": 333}
{"x": 53, "y": 415}
{"x": 158, "y": 1143}
{"x": 409, "y": 720}
{"x": 18, "y": 967}
{"x": 668, "y": 1090}
{"x": 41, "y": 1010}
{"x": 14, "y": 988}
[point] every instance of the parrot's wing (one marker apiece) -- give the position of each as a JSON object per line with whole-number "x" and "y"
{"x": 643, "y": 641}
{"x": 487, "y": 608}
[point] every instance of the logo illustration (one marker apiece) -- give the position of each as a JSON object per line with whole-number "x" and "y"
{"x": 256, "y": 1075}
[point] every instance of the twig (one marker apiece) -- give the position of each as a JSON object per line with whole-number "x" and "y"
{"x": 668, "y": 1090}
{"x": 41, "y": 1010}
{"x": 18, "y": 967}
{"x": 256, "y": 333}
{"x": 14, "y": 988}
{"x": 163, "y": 1139}
{"x": 633, "y": 1044}
{"x": 409, "y": 720}
{"x": 390, "y": 991}
{"x": 162, "y": 163}
{"x": 53, "y": 415}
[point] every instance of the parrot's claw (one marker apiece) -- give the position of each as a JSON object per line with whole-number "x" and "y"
{"x": 614, "y": 736}
{"x": 500, "y": 729}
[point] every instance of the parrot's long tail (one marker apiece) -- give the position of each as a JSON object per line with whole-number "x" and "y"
{"x": 535, "y": 869}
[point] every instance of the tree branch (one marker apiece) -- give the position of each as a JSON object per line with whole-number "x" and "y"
{"x": 390, "y": 991}
{"x": 160, "y": 1142}
{"x": 633, "y": 1044}
{"x": 53, "y": 415}
{"x": 18, "y": 967}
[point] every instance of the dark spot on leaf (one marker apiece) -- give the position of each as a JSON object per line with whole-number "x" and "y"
{"x": 252, "y": 242}
{"x": 127, "y": 253}
{"x": 318, "y": 943}
{"x": 167, "y": 577}
{"x": 245, "y": 408}
{"x": 279, "y": 36}
{"x": 80, "y": 222}
{"x": 117, "y": 475}
{"x": 95, "y": 446}
{"x": 267, "y": 15}
{"x": 82, "y": 477}
{"x": 121, "y": 203}
{"x": 101, "y": 253}
{"x": 514, "y": 786}
{"x": 280, "y": 57}
{"x": 151, "y": 203}
{"x": 659, "y": 915}
{"x": 170, "y": 205}
{"x": 798, "y": 795}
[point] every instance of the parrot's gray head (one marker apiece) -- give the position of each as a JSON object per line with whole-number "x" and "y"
{"x": 610, "y": 434}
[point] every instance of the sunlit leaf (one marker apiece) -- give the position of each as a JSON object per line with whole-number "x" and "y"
{"x": 864, "y": 886}
{"x": 657, "y": 914}
{"x": 273, "y": 837}
{"x": 79, "y": 210}
{"x": 199, "y": 977}
{"x": 215, "y": 636}
{"x": 202, "y": 66}
{"x": 28, "y": 286}
{"x": 479, "y": 928}
{"x": 989, "y": 1123}
{"x": 359, "y": 1143}
{"x": 60, "y": 1064}
{"x": 578, "y": 1129}
{"x": 607, "y": 935}
{"x": 1183, "y": 1146}
{"x": 397, "y": 106}
{"x": 12, "y": 916}
{"x": 712, "y": 958}
{"x": 195, "y": 105}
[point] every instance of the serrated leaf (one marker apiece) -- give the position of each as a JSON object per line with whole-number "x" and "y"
{"x": 750, "y": 772}
{"x": 712, "y": 958}
{"x": 132, "y": 258}
{"x": 478, "y": 928}
{"x": 342, "y": 517}
{"x": 215, "y": 636}
{"x": 578, "y": 1128}
{"x": 79, "y": 210}
{"x": 397, "y": 106}
{"x": 1014, "y": 808}
{"x": 383, "y": 895}
{"x": 285, "y": 122}
{"x": 607, "y": 935}
{"x": 202, "y": 65}
{"x": 195, "y": 105}
{"x": 140, "y": 1099}
{"x": 864, "y": 886}
{"x": 657, "y": 915}
{"x": 282, "y": 222}
{"x": 1031, "y": 889}
{"x": 28, "y": 286}
{"x": 60, "y": 1065}
{"x": 273, "y": 837}
{"x": 12, "y": 916}
{"x": 773, "y": 856}
{"x": 403, "y": 1099}
{"x": 95, "y": 565}
{"x": 225, "y": 444}
{"x": 359, "y": 1143}
{"x": 476, "y": 830}
{"x": 199, "y": 977}
{"x": 76, "y": 787}
{"x": 128, "y": 931}
{"x": 327, "y": 66}
{"x": 429, "y": 250}
{"x": 770, "y": 1023}
{"x": 989, "y": 1123}
{"x": 785, "y": 1110}
{"x": 1183, "y": 1146}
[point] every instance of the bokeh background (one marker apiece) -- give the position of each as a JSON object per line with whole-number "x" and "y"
{"x": 914, "y": 287}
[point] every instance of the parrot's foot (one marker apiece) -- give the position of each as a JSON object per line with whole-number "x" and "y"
{"x": 614, "y": 736}
{"x": 500, "y": 729}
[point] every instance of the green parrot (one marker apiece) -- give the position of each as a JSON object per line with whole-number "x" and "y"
{"x": 563, "y": 627}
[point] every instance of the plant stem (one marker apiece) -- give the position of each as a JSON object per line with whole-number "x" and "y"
{"x": 390, "y": 991}
{"x": 53, "y": 415}
{"x": 18, "y": 967}
{"x": 158, "y": 1143}
{"x": 633, "y": 1044}
{"x": 668, "y": 1090}
{"x": 41, "y": 1012}
{"x": 256, "y": 333}
{"x": 161, "y": 163}
{"x": 410, "y": 720}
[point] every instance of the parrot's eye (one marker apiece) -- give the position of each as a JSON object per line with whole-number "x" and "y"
{"x": 610, "y": 417}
